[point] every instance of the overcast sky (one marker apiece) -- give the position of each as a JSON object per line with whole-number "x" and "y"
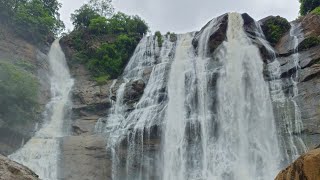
{"x": 189, "y": 15}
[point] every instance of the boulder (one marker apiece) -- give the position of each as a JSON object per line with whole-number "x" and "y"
{"x": 10, "y": 170}
{"x": 306, "y": 167}
{"x": 133, "y": 91}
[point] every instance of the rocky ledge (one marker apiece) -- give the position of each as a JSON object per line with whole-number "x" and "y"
{"x": 306, "y": 167}
{"x": 10, "y": 170}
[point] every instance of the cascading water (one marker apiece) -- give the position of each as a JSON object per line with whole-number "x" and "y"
{"x": 290, "y": 141}
{"x": 132, "y": 127}
{"x": 247, "y": 140}
{"x": 218, "y": 120}
{"x": 174, "y": 143}
{"x": 41, "y": 153}
{"x": 238, "y": 140}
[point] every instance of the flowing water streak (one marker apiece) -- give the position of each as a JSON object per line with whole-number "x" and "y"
{"x": 297, "y": 36}
{"x": 175, "y": 125}
{"x": 41, "y": 153}
{"x": 281, "y": 104}
{"x": 247, "y": 145}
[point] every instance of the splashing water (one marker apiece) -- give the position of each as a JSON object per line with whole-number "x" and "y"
{"x": 41, "y": 153}
{"x": 238, "y": 140}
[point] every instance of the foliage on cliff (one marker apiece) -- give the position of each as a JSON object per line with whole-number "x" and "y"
{"x": 18, "y": 96}
{"x": 104, "y": 44}
{"x": 307, "y": 6}
{"x": 34, "y": 20}
{"x": 158, "y": 36}
{"x": 274, "y": 28}
{"x": 309, "y": 43}
{"x": 316, "y": 11}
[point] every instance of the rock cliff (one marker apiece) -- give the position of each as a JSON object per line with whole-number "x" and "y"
{"x": 306, "y": 167}
{"x": 10, "y": 170}
{"x": 32, "y": 59}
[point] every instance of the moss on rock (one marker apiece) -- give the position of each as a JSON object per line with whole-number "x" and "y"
{"x": 316, "y": 11}
{"x": 274, "y": 28}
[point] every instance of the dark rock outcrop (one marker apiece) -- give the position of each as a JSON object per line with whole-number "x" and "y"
{"x": 306, "y": 167}
{"x": 217, "y": 36}
{"x": 133, "y": 92}
{"x": 10, "y": 170}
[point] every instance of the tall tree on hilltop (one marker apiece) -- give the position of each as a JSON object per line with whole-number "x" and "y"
{"x": 103, "y": 7}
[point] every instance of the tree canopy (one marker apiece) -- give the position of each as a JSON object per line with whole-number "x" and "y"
{"x": 34, "y": 20}
{"x": 104, "y": 42}
{"x": 307, "y": 6}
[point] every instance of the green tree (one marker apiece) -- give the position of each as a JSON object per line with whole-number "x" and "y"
{"x": 102, "y": 7}
{"x": 104, "y": 44}
{"x": 18, "y": 95}
{"x": 307, "y": 6}
{"x": 98, "y": 25}
{"x": 34, "y": 20}
{"x": 83, "y": 16}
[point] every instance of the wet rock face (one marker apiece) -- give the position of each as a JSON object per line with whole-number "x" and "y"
{"x": 310, "y": 25}
{"x": 308, "y": 73}
{"x": 85, "y": 157}
{"x": 10, "y": 170}
{"x": 306, "y": 167}
{"x": 217, "y": 36}
{"x": 133, "y": 91}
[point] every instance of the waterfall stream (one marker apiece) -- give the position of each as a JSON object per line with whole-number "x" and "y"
{"x": 297, "y": 36}
{"x": 41, "y": 153}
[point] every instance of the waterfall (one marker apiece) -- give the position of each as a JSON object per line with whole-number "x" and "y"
{"x": 236, "y": 138}
{"x": 174, "y": 143}
{"x": 128, "y": 126}
{"x": 41, "y": 153}
{"x": 247, "y": 140}
{"x": 214, "y": 113}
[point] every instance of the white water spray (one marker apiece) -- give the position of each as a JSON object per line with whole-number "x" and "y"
{"x": 236, "y": 138}
{"x": 41, "y": 153}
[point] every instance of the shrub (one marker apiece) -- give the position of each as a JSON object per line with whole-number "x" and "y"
{"x": 274, "y": 28}
{"x": 158, "y": 37}
{"x": 308, "y": 43}
{"x": 316, "y": 11}
{"x": 101, "y": 80}
{"x": 18, "y": 94}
